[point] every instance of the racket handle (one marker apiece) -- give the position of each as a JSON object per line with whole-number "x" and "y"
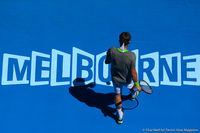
{"x": 135, "y": 89}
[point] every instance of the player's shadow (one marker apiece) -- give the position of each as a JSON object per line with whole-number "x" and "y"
{"x": 83, "y": 93}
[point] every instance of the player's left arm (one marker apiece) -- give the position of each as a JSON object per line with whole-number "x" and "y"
{"x": 108, "y": 57}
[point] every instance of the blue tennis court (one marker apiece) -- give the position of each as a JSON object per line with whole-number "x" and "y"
{"x": 45, "y": 46}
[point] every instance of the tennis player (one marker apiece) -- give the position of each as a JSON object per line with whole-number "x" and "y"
{"x": 123, "y": 72}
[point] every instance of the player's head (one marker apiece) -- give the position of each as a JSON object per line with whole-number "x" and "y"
{"x": 125, "y": 38}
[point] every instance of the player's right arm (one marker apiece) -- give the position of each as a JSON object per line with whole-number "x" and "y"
{"x": 135, "y": 79}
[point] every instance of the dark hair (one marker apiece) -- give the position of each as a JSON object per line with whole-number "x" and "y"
{"x": 125, "y": 38}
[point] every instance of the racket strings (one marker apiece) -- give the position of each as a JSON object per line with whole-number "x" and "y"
{"x": 145, "y": 87}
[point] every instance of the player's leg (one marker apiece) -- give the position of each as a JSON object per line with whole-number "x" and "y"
{"x": 118, "y": 102}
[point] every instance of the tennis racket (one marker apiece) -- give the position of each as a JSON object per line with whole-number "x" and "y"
{"x": 145, "y": 87}
{"x": 129, "y": 104}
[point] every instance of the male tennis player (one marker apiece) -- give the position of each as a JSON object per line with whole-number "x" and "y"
{"x": 123, "y": 72}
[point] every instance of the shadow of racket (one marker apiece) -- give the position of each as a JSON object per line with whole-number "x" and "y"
{"x": 128, "y": 104}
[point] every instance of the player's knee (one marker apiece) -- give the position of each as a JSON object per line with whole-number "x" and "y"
{"x": 118, "y": 95}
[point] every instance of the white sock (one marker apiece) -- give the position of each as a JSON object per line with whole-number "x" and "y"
{"x": 120, "y": 113}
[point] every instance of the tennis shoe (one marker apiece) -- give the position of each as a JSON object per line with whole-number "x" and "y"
{"x": 134, "y": 95}
{"x": 120, "y": 121}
